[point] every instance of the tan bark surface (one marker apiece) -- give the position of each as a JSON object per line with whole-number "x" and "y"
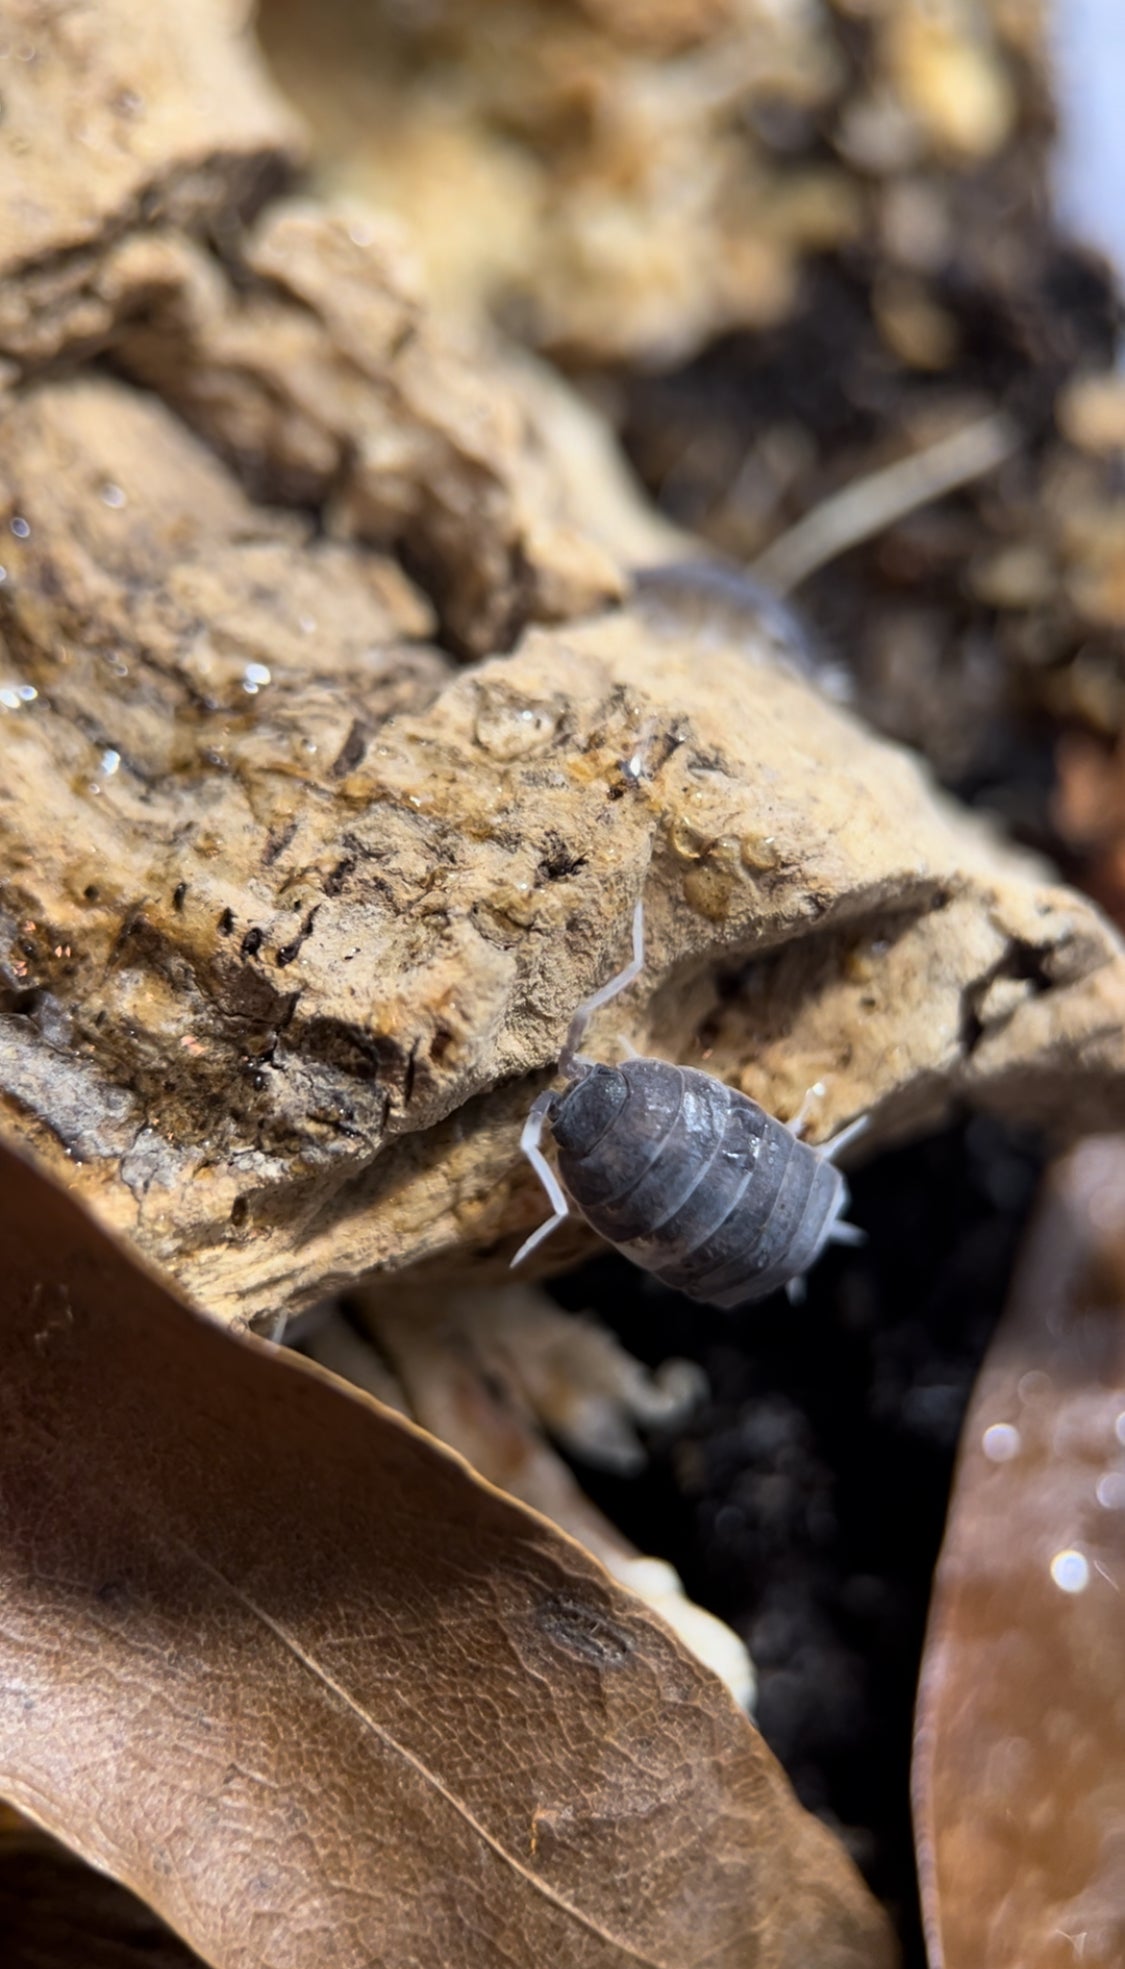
{"x": 628, "y": 179}
{"x": 294, "y": 912}
{"x": 282, "y": 954}
{"x": 119, "y": 120}
{"x": 138, "y": 144}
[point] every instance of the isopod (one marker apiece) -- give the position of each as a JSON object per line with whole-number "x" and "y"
{"x": 686, "y": 1176}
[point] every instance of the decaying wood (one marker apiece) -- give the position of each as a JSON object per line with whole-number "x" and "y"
{"x": 281, "y": 1664}
{"x": 139, "y": 147}
{"x": 294, "y": 911}
{"x": 629, "y": 179}
{"x": 281, "y": 955}
{"x": 119, "y": 121}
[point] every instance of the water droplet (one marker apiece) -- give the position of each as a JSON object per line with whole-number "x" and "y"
{"x": 109, "y": 762}
{"x": 306, "y": 624}
{"x": 3, "y": 574}
{"x": 13, "y": 695}
{"x": 1070, "y": 1571}
{"x": 20, "y": 527}
{"x": 1032, "y": 1386}
{"x": 112, "y": 495}
{"x": 1119, "y": 1427}
{"x": 510, "y": 731}
{"x": 253, "y": 677}
{"x": 759, "y": 853}
{"x": 361, "y": 232}
{"x": 1110, "y": 1491}
{"x": 1000, "y": 1442}
{"x": 685, "y": 839}
{"x": 26, "y": 693}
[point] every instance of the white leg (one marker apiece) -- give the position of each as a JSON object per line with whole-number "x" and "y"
{"x": 590, "y": 1005}
{"x": 830, "y": 1150}
{"x": 839, "y": 1231}
{"x": 530, "y": 1139}
{"x": 842, "y": 1233}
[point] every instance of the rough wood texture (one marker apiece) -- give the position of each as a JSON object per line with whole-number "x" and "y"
{"x": 628, "y": 179}
{"x": 293, "y": 911}
{"x": 281, "y": 954}
{"x": 136, "y": 147}
{"x": 117, "y": 120}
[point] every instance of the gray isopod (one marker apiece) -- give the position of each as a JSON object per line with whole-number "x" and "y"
{"x": 686, "y": 1176}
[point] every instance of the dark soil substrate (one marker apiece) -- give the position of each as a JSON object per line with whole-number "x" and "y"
{"x": 805, "y": 1501}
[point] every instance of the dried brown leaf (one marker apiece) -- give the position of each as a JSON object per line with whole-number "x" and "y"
{"x": 289, "y": 1671}
{"x": 1020, "y": 1749}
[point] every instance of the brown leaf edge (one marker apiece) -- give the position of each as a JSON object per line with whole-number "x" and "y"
{"x": 1019, "y": 1755}
{"x": 289, "y": 1671}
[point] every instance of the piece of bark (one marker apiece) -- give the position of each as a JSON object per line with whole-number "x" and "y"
{"x": 630, "y": 181}
{"x": 1019, "y": 1780}
{"x": 135, "y": 150}
{"x": 320, "y": 374}
{"x": 274, "y": 988}
{"x": 286, "y": 916}
{"x": 117, "y": 119}
{"x": 286, "y": 1668}
{"x": 595, "y": 173}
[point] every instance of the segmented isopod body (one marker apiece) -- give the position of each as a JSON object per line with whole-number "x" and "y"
{"x": 688, "y": 1177}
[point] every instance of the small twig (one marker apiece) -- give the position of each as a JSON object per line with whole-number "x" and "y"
{"x": 871, "y": 504}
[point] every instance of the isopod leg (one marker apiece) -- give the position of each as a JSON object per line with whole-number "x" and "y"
{"x": 530, "y": 1139}
{"x": 837, "y": 1233}
{"x": 590, "y": 1005}
{"x": 830, "y": 1150}
{"x": 841, "y": 1233}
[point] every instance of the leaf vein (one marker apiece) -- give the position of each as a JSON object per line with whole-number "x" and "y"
{"x": 424, "y": 1771}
